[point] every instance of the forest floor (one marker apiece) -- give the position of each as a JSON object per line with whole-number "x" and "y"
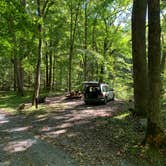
{"x": 68, "y": 132}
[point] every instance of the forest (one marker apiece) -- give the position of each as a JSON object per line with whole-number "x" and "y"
{"x": 48, "y": 48}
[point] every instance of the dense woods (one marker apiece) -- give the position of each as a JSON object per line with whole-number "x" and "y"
{"x": 54, "y": 46}
{"x": 68, "y": 42}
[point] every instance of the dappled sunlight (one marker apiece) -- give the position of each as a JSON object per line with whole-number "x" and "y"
{"x": 75, "y": 134}
{"x": 55, "y": 100}
{"x": 121, "y": 116}
{"x": 79, "y": 129}
{"x": 54, "y": 134}
{"x": 19, "y": 129}
{"x": 67, "y": 124}
{"x": 47, "y": 128}
{"x": 64, "y": 125}
{"x": 73, "y": 103}
{"x": 3, "y": 119}
{"x": 61, "y": 102}
{"x": 60, "y": 117}
{"x": 5, "y": 163}
{"x": 40, "y": 119}
{"x": 18, "y": 146}
{"x": 89, "y": 114}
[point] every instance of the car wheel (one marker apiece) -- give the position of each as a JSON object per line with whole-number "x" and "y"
{"x": 105, "y": 100}
{"x": 86, "y": 102}
{"x": 113, "y": 98}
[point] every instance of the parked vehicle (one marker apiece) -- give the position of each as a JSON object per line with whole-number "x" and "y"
{"x": 97, "y": 92}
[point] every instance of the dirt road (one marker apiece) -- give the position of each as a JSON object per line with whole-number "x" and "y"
{"x": 64, "y": 133}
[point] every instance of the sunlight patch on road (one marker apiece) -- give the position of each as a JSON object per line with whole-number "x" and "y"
{"x": 47, "y": 128}
{"x": 54, "y": 134}
{"x": 6, "y": 163}
{"x": 122, "y": 116}
{"x": 90, "y": 114}
{"x": 61, "y": 117}
{"x": 3, "y": 119}
{"x": 64, "y": 125}
{"x": 20, "y": 145}
{"x": 19, "y": 129}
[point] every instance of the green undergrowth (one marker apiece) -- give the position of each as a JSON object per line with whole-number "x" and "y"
{"x": 10, "y": 101}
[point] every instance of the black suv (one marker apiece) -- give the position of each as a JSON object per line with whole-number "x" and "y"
{"x": 97, "y": 92}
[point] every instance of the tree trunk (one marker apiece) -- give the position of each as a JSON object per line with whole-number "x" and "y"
{"x": 94, "y": 47}
{"x": 71, "y": 49}
{"x": 139, "y": 57}
{"x": 37, "y": 77}
{"x": 50, "y": 71}
{"x": 15, "y": 75}
{"x": 163, "y": 61}
{"x": 47, "y": 73}
{"x": 72, "y": 39}
{"x": 154, "y": 133}
{"x": 85, "y": 40}
{"x": 163, "y": 58}
{"x": 18, "y": 76}
{"x": 53, "y": 73}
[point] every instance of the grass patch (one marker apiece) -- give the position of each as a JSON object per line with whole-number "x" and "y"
{"x": 9, "y": 101}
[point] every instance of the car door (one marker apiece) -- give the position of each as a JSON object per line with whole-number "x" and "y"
{"x": 108, "y": 94}
{"x": 111, "y": 93}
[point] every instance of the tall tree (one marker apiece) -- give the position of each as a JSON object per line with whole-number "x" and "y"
{"x": 73, "y": 25}
{"x": 41, "y": 11}
{"x": 154, "y": 134}
{"x": 85, "y": 38}
{"x": 163, "y": 57}
{"x": 139, "y": 56}
{"x": 39, "y": 55}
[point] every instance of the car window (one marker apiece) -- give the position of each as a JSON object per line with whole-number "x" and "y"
{"x": 90, "y": 89}
{"x": 107, "y": 88}
{"x": 104, "y": 88}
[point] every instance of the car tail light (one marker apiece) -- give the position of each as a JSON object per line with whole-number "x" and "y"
{"x": 101, "y": 95}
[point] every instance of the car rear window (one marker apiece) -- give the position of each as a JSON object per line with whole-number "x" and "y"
{"x": 92, "y": 89}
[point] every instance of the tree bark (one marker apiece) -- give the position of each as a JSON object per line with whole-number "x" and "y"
{"x": 50, "y": 71}
{"x": 41, "y": 15}
{"x": 73, "y": 27}
{"x": 85, "y": 39}
{"x": 47, "y": 73}
{"x": 163, "y": 61}
{"x": 163, "y": 58}
{"x": 37, "y": 77}
{"x": 94, "y": 47}
{"x": 154, "y": 133}
{"x": 139, "y": 57}
{"x": 20, "y": 77}
{"x": 71, "y": 49}
{"x": 15, "y": 75}
{"x": 18, "y": 71}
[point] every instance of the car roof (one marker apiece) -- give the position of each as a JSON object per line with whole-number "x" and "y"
{"x": 93, "y": 83}
{"x": 90, "y": 82}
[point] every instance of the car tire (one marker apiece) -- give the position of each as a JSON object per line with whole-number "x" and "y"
{"x": 86, "y": 102}
{"x": 105, "y": 101}
{"x": 113, "y": 98}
